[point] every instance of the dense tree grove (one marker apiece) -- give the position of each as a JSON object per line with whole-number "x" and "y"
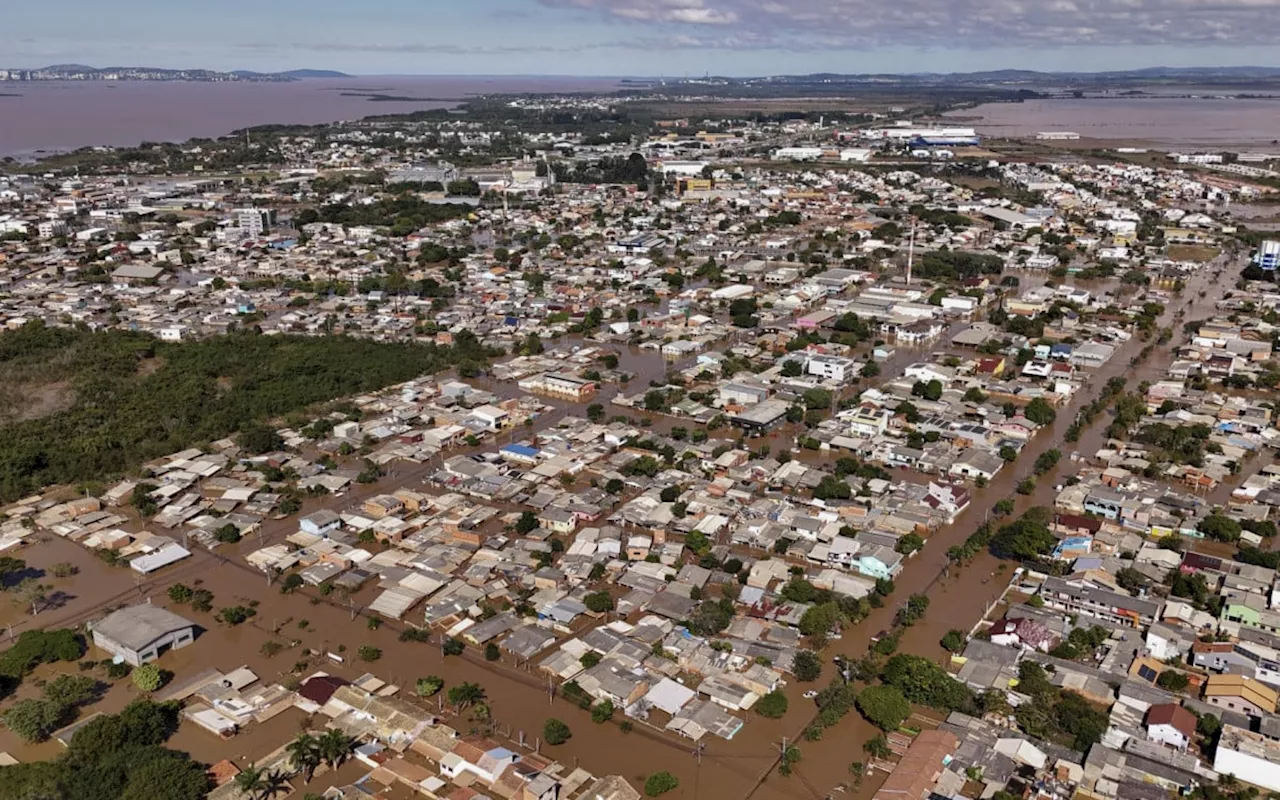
{"x": 137, "y": 398}
{"x": 115, "y": 755}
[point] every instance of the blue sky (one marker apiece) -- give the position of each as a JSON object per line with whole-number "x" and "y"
{"x": 642, "y": 37}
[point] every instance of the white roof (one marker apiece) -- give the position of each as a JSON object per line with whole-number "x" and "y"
{"x": 669, "y": 696}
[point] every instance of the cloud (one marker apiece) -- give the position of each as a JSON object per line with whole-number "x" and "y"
{"x": 808, "y": 25}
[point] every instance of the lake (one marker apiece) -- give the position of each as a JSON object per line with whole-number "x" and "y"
{"x": 1158, "y": 121}
{"x": 65, "y": 115}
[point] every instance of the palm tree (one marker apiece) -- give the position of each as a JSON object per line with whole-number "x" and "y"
{"x": 250, "y": 780}
{"x": 305, "y": 753}
{"x": 273, "y": 783}
{"x": 335, "y": 747}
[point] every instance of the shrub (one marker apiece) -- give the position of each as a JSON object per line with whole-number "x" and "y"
{"x": 368, "y": 652}
{"x": 773, "y": 705}
{"x": 660, "y": 783}
{"x": 884, "y": 707}
{"x": 556, "y": 732}
{"x": 148, "y": 677}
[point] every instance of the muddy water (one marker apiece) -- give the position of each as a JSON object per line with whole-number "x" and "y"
{"x": 740, "y": 768}
{"x": 959, "y": 599}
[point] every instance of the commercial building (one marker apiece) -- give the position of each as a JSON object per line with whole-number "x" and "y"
{"x": 143, "y": 633}
{"x": 763, "y": 416}
{"x": 1250, "y": 757}
{"x": 1268, "y": 255}
{"x": 254, "y": 221}
{"x": 559, "y": 385}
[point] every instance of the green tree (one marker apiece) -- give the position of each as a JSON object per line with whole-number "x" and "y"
{"x": 69, "y": 690}
{"x": 660, "y": 783}
{"x": 33, "y": 720}
{"x": 428, "y": 686}
{"x": 773, "y": 705}
{"x": 465, "y": 695}
{"x": 147, "y": 677}
{"x": 527, "y": 522}
{"x": 884, "y": 706}
{"x": 304, "y": 755}
{"x": 953, "y": 640}
{"x": 335, "y": 747}
{"x": 806, "y": 665}
{"x": 602, "y": 712}
{"x": 555, "y": 732}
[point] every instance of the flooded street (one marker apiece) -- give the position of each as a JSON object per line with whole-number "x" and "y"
{"x": 520, "y": 699}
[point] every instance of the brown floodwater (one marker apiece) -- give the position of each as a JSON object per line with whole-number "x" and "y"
{"x": 1163, "y": 120}
{"x": 52, "y": 116}
{"x": 741, "y": 768}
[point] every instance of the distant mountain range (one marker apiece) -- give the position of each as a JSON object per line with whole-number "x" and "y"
{"x": 80, "y": 72}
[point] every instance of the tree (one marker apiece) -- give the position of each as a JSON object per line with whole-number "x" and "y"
{"x": 1173, "y": 680}
{"x": 10, "y": 568}
{"x": 614, "y": 486}
{"x": 922, "y": 681}
{"x": 1040, "y": 412}
{"x": 291, "y": 583}
{"x": 773, "y": 705}
{"x": 465, "y": 694}
{"x": 260, "y": 439}
{"x": 1220, "y": 527}
{"x": 368, "y": 652}
{"x": 428, "y": 686}
{"x": 335, "y": 747}
{"x": 953, "y": 640}
{"x": 147, "y": 677}
{"x": 180, "y": 593}
{"x": 491, "y": 652}
{"x": 832, "y": 488}
{"x": 555, "y": 732}
{"x": 598, "y": 602}
{"x": 660, "y": 783}
{"x": 602, "y": 712}
{"x": 806, "y": 665}
{"x": 884, "y": 707}
{"x": 792, "y": 368}
{"x": 33, "y": 720}
{"x": 452, "y": 646}
{"x": 909, "y": 544}
{"x": 527, "y": 522}
{"x": 877, "y": 747}
{"x": 595, "y": 412}
{"x": 304, "y": 753}
{"x": 1047, "y": 461}
{"x": 71, "y": 690}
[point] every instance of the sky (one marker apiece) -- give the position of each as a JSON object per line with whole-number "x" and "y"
{"x": 668, "y": 38}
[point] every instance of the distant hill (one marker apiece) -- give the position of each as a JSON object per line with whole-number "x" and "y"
{"x": 314, "y": 73}
{"x": 81, "y": 72}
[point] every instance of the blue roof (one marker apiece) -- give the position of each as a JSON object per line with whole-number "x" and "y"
{"x": 1061, "y": 348}
{"x": 520, "y": 450}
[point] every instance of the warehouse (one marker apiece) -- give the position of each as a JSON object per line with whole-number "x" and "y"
{"x": 139, "y": 634}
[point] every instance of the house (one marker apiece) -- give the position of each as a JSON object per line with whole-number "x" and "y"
{"x": 140, "y": 634}
{"x": 1171, "y": 725}
{"x": 1119, "y": 609}
{"x": 915, "y": 775}
{"x": 878, "y": 562}
{"x": 320, "y": 523}
{"x": 1026, "y": 633}
{"x": 1240, "y": 694}
{"x": 977, "y": 464}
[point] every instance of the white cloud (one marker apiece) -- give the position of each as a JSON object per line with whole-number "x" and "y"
{"x": 945, "y": 24}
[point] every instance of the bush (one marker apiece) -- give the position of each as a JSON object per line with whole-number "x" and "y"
{"x": 953, "y": 640}
{"x": 884, "y": 707}
{"x": 368, "y": 652}
{"x": 428, "y": 686}
{"x": 602, "y": 712}
{"x": 234, "y": 615}
{"x": 33, "y": 720}
{"x": 555, "y": 732}
{"x": 148, "y": 677}
{"x": 660, "y": 783}
{"x": 453, "y": 647}
{"x": 491, "y": 652}
{"x": 1173, "y": 680}
{"x": 773, "y": 705}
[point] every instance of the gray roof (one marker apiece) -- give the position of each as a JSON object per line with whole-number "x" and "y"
{"x": 138, "y": 626}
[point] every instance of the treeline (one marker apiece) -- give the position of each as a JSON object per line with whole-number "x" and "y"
{"x": 954, "y": 265}
{"x": 115, "y": 755}
{"x": 403, "y": 213}
{"x": 609, "y": 169}
{"x": 199, "y": 392}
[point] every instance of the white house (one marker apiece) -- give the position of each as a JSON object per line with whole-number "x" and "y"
{"x": 1171, "y": 725}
